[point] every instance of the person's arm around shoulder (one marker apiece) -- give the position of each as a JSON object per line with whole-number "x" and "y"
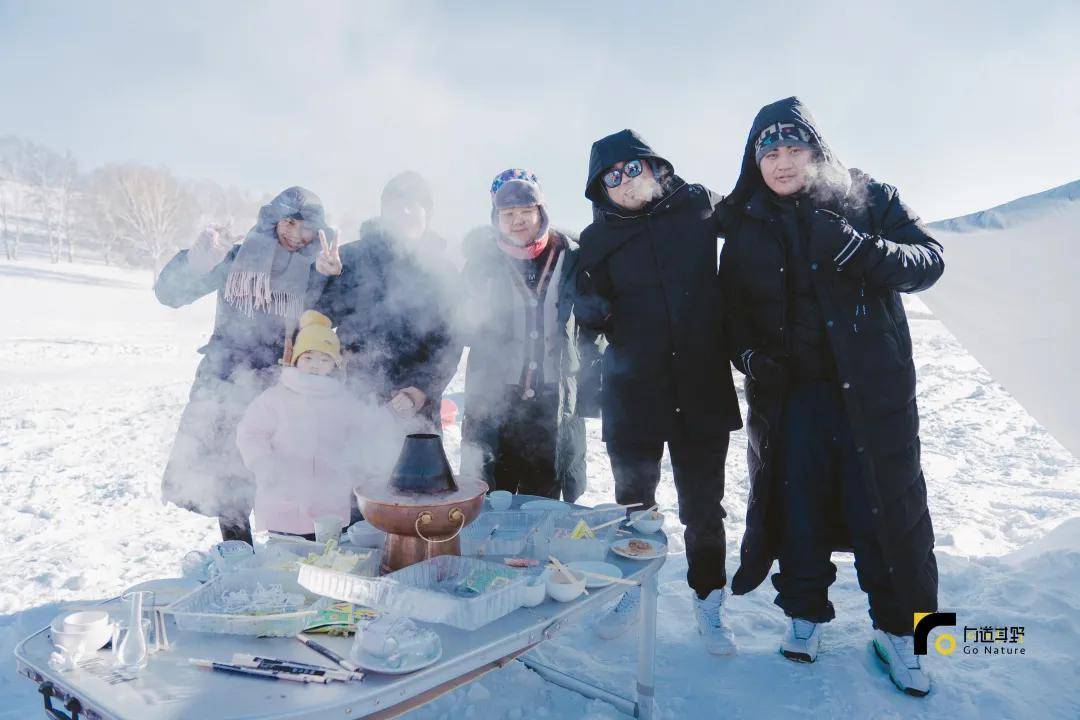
{"x": 590, "y": 345}
{"x": 592, "y": 307}
{"x": 740, "y": 342}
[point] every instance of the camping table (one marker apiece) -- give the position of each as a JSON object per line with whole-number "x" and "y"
{"x": 170, "y": 688}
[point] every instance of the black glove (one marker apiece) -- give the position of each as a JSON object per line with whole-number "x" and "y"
{"x": 833, "y": 242}
{"x": 593, "y": 312}
{"x": 765, "y": 369}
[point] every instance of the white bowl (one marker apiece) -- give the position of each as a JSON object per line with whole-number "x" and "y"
{"x": 500, "y": 499}
{"x": 80, "y": 643}
{"x": 642, "y": 522}
{"x": 561, "y": 589}
{"x": 85, "y": 621}
{"x": 364, "y": 534}
{"x": 536, "y": 590}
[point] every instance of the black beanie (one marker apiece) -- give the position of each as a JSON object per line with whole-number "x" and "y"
{"x": 409, "y": 185}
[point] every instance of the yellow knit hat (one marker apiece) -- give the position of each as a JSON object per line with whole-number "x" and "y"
{"x": 315, "y": 334}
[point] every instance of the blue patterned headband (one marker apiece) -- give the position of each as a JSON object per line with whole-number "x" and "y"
{"x": 512, "y": 174}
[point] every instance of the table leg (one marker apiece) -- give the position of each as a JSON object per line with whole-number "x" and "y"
{"x": 647, "y": 649}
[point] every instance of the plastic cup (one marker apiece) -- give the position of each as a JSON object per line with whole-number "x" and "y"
{"x": 327, "y": 528}
{"x": 500, "y": 499}
{"x": 120, "y": 629}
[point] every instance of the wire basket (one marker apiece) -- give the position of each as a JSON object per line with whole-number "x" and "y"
{"x": 424, "y": 591}
{"x": 519, "y": 532}
{"x": 200, "y": 610}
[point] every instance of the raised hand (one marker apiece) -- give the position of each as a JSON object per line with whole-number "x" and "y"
{"x": 208, "y": 249}
{"x": 833, "y": 241}
{"x": 328, "y": 262}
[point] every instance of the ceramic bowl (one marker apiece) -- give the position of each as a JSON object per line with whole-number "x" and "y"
{"x": 560, "y": 588}
{"x": 85, "y": 621}
{"x": 80, "y": 643}
{"x": 643, "y": 522}
{"x": 364, "y": 534}
{"x": 536, "y": 590}
{"x": 500, "y": 500}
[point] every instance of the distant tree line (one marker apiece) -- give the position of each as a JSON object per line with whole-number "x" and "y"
{"x": 122, "y": 214}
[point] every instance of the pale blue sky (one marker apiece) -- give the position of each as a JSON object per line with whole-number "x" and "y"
{"x": 962, "y": 105}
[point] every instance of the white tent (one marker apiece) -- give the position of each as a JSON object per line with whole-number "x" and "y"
{"x": 1011, "y": 295}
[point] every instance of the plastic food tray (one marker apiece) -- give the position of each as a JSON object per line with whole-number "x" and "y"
{"x": 332, "y": 583}
{"x": 414, "y": 592}
{"x": 570, "y": 550}
{"x": 196, "y": 611}
{"x": 521, "y": 532}
{"x": 287, "y": 555}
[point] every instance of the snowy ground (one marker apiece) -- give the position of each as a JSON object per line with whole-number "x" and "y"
{"x": 93, "y": 376}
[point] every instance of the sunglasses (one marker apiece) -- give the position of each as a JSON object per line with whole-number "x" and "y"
{"x": 613, "y": 178}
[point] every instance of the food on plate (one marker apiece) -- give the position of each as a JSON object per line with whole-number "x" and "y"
{"x": 638, "y": 547}
{"x": 520, "y": 562}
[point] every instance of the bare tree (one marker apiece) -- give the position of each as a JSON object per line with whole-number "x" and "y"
{"x": 52, "y": 178}
{"x": 228, "y": 207}
{"x": 13, "y": 196}
{"x": 151, "y": 208}
{"x": 98, "y": 207}
{"x": 9, "y": 216}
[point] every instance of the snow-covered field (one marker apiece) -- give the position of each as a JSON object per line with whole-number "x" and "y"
{"x": 93, "y": 376}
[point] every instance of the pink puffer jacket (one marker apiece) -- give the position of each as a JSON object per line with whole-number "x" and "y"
{"x": 309, "y": 442}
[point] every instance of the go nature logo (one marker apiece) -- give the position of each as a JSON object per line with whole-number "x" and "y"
{"x": 925, "y": 622}
{"x": 985, "y": 639}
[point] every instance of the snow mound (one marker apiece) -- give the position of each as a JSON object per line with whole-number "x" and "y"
{"x": 1015, "y": 212}
{"x": 1009, "y": 295}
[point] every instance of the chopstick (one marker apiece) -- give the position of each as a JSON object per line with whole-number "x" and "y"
{"x": 583, "y": 513}
{"x": 565, "y": 571}
{"x": 611, "y": 578}
{"x": 292, "y": 666}
{"x": 255, "y": 672}
{"x": 328, "y": 653}
{"x": 634, "y": 521}
{"x": 609, "y": 522}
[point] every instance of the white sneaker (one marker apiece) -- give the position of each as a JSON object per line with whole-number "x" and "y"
{"x": 905, "y": 667}
{"x": 801, "y": 641}
{"x": 719, "y": 640}
{"x": 622, "y": 617}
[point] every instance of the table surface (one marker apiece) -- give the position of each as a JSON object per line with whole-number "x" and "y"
{"x": 172, "y": 688}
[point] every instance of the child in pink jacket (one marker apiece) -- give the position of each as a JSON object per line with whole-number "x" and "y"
{"x": 308, "y": 440}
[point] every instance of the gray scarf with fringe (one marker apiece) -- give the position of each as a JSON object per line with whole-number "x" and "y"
{"x": 268, "y": 278}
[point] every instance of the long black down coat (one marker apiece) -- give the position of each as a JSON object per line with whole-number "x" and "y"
{"x": 868, "y": 334}
{"x": 647, "y": 280}
{"x": 393, "y": 310}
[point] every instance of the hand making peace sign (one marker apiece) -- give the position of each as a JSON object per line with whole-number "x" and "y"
{"x": 328, "y": 262}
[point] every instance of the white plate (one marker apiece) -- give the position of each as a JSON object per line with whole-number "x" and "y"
{"x": 619, "y": 547}
{"x": 551, "y": 505}
{"x": 369, "y": 662}
{"x": 601, "y": 568}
